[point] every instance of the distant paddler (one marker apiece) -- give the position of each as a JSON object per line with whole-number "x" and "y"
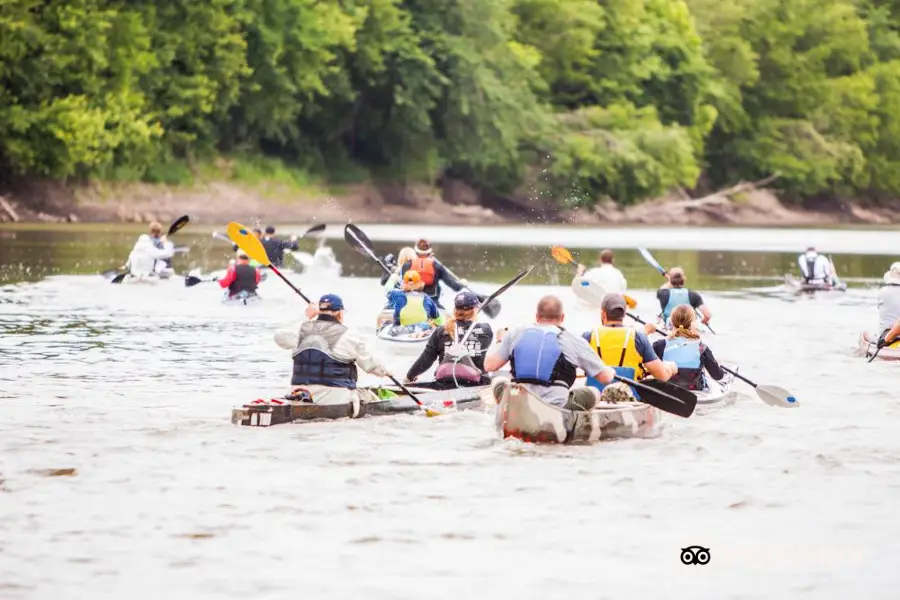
{"x": 241, "y": 277}
{"x": 545, "y": 357}
{"x": 432, "y": 272}
{"x": 627, "y": 349}
{"x": 275, "y": 247}
{"x": 413, "y": 309}
{"x": 816, "y": 268}
{"x": 394, "y": 279}
{"x": 327, "y": 356}
{"x": 606, "y": 275}
{"x": 151, "y": 255}
{"x": 673, "y": 294}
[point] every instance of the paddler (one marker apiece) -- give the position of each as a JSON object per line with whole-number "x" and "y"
{"x": 327, "y": 356}
{"x": 411, "y": 306}
{"x": 627, "y": 349}
{"x": 275, "y": 247}
{"x": 815, "y": 268}
{"x": 606, "y": 275}
{"x": 684, "y": 348}
{"x": 457, "y": 367}
{"x": 673, "y": 293}
{"x": 889, "y": 307}
{"x": 544, "y": 357}
{"x": 431, "y": 271}
{"x": 147, "y": 258}
{"x": 241, "y": 276}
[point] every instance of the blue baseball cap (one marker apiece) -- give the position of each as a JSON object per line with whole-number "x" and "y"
{"x": 331, "y": 302}
{"x": 465, "y": 300}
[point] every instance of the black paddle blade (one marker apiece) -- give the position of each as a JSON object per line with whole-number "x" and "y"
{"x": 109, "y": 274}
{"x": 665, "y": 396}
{"x": 191, "y": 281}
{"x": 357, "y": 239}
{"x": 492, "y": 308}
{"x": 118, "y": 278}
{"x": 315, "y": 230}
{"x": 178, "y": 223}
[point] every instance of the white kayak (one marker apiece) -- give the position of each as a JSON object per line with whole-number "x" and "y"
{"x": 408, "y": 334}
{"x": 241, "y": 299}
{"x": 522, "y": 415}
{"x": 718, "y": 393}
{"x": 152, "y": 279}
{"x": 867, "y": 346}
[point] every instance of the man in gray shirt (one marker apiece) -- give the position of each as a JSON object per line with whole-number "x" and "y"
{"x": 545, "y": 357}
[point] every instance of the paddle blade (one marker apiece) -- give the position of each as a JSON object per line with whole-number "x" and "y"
{"x": 109, "y": 275}
{"x": 631, "y": 302}
{"x": 652, "y": 261}
{"x": 357, "y": 239}
{"x": 178, "y": 223}
{"x": 492, "y": 309}
{"x": 248, "y": 242}
{"x": 665, "y": 396}
{"x": 314, "y": 230}
{"x": 191, "y": 281}
{"x": 118, "y": 278}
{"x": 776, "y": 396}
{"x": 588, "y": 291}
{"x": 561, "y": 255}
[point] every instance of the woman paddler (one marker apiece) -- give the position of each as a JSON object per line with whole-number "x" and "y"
{"x": 457, "y": 366}
{"x": 684, "y": 348}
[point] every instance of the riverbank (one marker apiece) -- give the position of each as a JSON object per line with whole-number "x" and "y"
{"x": 453, "y": 204}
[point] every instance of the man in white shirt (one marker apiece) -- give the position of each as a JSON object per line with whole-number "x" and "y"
{"x": 606, "y": 275}
{"x": 815, "y": 268}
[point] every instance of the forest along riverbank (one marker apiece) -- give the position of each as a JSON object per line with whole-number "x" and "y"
{"x": 454, "y": 203}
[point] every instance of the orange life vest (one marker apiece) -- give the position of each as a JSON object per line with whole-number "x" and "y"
{"x": 425, "y": 268}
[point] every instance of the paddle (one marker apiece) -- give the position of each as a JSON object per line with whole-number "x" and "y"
{"x": 878, "y": 346}
{"x": 655, "y": 264}
{"x": 192, "y": 280}
{"x": 664, "y": 396}
{"x": 522, "y": 274}
{"x": 592, "y": 295}
{"x": 362, "y": 244}
{"x": 770, "y": 394}
{"x": 249, "y": 243}
{"x": 176, "y": 225}
{"x": 428, "y": 412}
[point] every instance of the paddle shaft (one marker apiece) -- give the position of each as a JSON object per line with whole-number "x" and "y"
{"x": 491, "y": 298}
{"x": 651, "y": 391}
{"x": 360, "y": 243}
{"x": 285, "y": 279}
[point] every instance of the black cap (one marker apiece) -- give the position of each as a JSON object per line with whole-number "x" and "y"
{"x": 270, "y": 229}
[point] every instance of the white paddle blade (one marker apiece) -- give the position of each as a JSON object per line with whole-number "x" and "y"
{"x": 588, "y": 291}
{"x": 776, "y": 396}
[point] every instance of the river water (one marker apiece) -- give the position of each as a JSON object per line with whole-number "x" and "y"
{"x": 122, "y": 477}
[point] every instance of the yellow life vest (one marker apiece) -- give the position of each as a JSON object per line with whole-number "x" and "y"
{"x": 616, "y": 348}
{"x": 414, "y": 312}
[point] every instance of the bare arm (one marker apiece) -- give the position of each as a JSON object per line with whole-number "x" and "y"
{"x": 707, "y": 315}
{"x": 661, "y": 370}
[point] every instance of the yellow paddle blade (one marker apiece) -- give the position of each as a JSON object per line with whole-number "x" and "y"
{"x": 631, "y": 302}
{"x": 248, "y": 242}
{"x": 561, "y": 255}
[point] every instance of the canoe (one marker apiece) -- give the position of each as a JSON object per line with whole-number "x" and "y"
{"x": 866, "y": 348}
{"x": 795, "y": 285}
{"x": 718, "y": 393}
{"x": 407, "y": 334}
{"x": 240, "y": 299}
{"x": 520, "y": 414}
{"x": 276, "y": 411}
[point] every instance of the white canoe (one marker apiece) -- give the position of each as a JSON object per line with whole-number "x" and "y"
{"x": 866, "y": 347}
{"x": 404, "y": 334}
{"x": 522, "y": 415}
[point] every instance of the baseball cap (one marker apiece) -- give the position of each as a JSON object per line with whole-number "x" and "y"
{"x": 270, "y": 229}
{"x": 331, "y": 302}
{"x": 465, "y": 300}
{"x": 614, "y": 305}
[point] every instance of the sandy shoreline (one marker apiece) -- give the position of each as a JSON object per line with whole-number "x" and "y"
{"x": 456, "y": 204}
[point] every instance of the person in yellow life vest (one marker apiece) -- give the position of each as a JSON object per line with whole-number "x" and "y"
{"x": 625, "y": 349}
{"x": 412, "y": 307}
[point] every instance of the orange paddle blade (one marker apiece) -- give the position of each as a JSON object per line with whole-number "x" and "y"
{"x": 561, "y": 255}
{"x": 248, "y": 242}
{"x": 631, "y": 302}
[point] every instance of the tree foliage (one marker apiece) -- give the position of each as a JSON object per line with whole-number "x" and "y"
{"x": 584, "y": 99}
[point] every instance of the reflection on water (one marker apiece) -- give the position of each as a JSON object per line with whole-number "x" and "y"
{"x": 122, "y": 477}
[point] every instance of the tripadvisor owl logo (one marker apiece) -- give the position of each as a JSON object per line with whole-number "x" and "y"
{"x": 695, "y": 555}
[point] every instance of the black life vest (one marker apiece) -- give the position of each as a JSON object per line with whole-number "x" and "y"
{"x": 244, "y": 280}
{"x": 316, "y": 367}
{"x": 274, "y": 250}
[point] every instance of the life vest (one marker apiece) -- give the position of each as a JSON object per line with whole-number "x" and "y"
{"x": 538, "y": 358}
{"x": 414, "y": 311}
{"x": 616, "y": 347}
{"x": 425, "y": 267}
{"x": 460, "y": 370}
{"x": 686, "y": 354}
{"x": 244, "y": 280}
{"x": 274, "y": 250}
{"x": 810, "y": 269}
{"x": 677, "y": 297}
{"x": 313, "y": 361}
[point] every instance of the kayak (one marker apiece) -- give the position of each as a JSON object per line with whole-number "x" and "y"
{"x": 522, "y": 415}
{"x": 867, "y": 348}
{"x": 153, "y": 279}
{"x": 408, "y": 334}
{"x": 241, "y": 299}
{"x": 718, "y": 393}
{"x": 799, "y": 287}
{"x": 276, "y": 411}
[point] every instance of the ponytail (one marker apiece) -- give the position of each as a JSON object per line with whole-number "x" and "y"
{"x": 459, "y": 314}
{"x": 682, "y": 319}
